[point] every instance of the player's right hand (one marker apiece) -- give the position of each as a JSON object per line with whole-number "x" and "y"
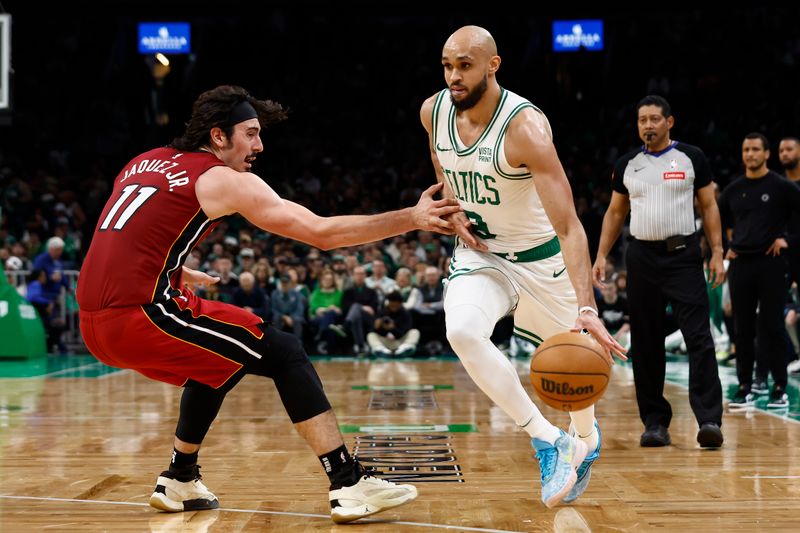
{"x": 592, "y": 323}
{"x": 461, "y": 226}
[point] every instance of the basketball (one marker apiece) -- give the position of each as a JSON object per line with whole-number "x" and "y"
{"x": 569, "y": 371}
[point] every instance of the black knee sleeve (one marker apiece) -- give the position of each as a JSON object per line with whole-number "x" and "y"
{"x": 200, "y": 405}
{"x": 297, "y": 382}
{"x": 301, "y": 392}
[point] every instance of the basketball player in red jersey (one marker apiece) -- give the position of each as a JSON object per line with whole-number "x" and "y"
{"x": 137, "y": 311}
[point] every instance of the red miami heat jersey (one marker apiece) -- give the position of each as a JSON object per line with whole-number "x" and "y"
{"x": 147, "y": 229}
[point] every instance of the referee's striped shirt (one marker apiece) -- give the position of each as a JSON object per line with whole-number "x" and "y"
{"x": 660, "y": 186}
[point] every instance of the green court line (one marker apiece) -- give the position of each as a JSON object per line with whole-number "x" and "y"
{"x": 409, "y": 428}
{"x": 55, "y": 366}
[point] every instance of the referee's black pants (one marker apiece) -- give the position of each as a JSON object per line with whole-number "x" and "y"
{"x": 758, "y": 281}
{"x": 655, "y": 277}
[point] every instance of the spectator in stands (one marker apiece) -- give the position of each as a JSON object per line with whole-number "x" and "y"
{"x": 297, "y": 274}
{"x": 50, "y": 262}
{"x": 379, "y": 280}
{"x": 72, "y": 242}
{"x": 250, "y": 297}
{"x": 217, "y": 250}
{"x": 18, "y": 249}
{"x": 621, "y": 281}
{"x": 325, "y": 311}
{"x": 351, "y": 262}
{"x": 281, "y": 266}
{"x": 394, "y": 334}
{"x": 419, "y": 273}
{"x": 410, "y": 260}
{"x": 412, "y": 297}
{"x": 47, "y": 306}
{"x": 247, "y": 260}
{"x": 287, "y": 307}
{"x": 396, "y": 248}
{"x": 314, "y": 265}
{"x": 360, "y": 306}
{"x": 228, "y": 281}
{"x": 263, "y": 275}
{"x": 613, "y": 310}
{"x": 434, "y": 254}
{"x": 340, "y": 273}
{"x": 429, "y": 315}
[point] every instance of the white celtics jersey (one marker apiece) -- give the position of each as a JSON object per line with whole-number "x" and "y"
{"x": 500, "y": 200}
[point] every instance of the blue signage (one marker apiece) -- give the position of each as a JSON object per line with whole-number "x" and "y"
{"x": 572, "y": 35}
{"x": 165, "y": 37}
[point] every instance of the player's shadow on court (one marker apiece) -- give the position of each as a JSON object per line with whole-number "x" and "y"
{"x": 569, "y": 520}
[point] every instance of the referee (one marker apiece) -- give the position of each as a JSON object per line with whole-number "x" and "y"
{"x": 658, "y": 184}
{"x": 758, "y": 206}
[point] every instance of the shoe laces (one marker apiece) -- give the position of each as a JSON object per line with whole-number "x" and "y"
{"x": 546, "y": 460}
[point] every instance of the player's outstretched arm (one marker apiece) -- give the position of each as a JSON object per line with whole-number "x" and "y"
{"x": 222, "y": 191}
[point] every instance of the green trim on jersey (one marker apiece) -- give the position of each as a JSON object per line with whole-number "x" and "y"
{"x": 528, "y": 335}
{"x": 471, "y": 270}
{"x": 451, "y": 126}
{"x": 537, "y": 253}
{"x": 435, "y": 119}
{"x": 501, "y": 136}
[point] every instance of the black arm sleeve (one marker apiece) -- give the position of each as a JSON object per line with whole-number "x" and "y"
{"x": 617, "y": 177}
{"x": 702, "y": 169}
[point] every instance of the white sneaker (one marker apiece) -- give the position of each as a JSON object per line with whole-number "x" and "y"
{"x": 369, "y": 496}
{"x": 175, "y": 496}
{"x": 381, "y": 351}
{"x": 793, "y": 367}
{"x": 406, "y": 350}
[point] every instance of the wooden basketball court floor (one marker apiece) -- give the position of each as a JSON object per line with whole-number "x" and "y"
{"x": 81, "y": 446}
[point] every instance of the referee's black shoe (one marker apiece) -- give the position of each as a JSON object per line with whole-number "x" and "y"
{"x": 710, "y": 435}
{"x": 655, "y": 436}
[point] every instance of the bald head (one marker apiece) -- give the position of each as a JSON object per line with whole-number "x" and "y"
{"x": 472, "y": 40}
{"x": 470, "y": 61}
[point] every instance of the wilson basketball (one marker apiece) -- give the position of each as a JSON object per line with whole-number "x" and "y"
{"x": 569, "y": 371}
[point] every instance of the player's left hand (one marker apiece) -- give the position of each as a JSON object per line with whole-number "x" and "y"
{"x": 592, "y": 323}
{"x": 429, "y": 214}
{"x": 197, "y": 279}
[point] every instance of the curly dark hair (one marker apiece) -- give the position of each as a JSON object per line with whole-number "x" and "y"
{"x": 212, "y": 109}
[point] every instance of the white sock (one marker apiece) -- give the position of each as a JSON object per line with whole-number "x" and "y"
{"x": 539, "y": 428}
{"x": 583, "y": 424}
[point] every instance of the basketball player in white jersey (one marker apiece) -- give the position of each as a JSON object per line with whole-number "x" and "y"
{"x": 494, "y": 152}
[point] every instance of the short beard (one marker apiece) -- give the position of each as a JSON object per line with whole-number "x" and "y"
{"x": 791, "y": 165}
{"x": 473, "y": 96}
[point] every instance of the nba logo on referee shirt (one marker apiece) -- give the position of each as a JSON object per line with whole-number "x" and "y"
{"x": 672, "y": 175}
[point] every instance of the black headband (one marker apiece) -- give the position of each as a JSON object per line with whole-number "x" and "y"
{"x": 241, "y": 112}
